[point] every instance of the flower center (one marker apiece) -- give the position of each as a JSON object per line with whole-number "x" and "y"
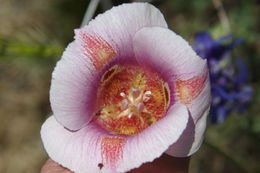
{"x": 130, "y": 99}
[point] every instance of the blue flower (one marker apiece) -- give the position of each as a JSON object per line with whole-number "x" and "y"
{"x": 230, "y": 91}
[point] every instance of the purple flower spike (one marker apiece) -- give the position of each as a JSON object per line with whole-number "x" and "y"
{"x": 230, "y": 91}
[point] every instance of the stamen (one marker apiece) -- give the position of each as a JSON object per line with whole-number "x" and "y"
{"x": 147, "y": 96}
{"x": 124, "y": 104}
{"x": 131, "y": 100}
{"x": 130, "y": 115}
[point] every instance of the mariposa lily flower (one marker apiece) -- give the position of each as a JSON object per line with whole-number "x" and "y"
{"x": 125, "y": 91}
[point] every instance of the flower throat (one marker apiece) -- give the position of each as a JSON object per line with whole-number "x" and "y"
{"x": 130, "y": 99}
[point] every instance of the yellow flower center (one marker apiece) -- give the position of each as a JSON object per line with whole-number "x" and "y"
{"x": 130, "y": 99}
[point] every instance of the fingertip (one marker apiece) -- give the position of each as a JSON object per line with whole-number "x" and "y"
{"x": 52, "y": 167}
{"x": 165, "y": 164}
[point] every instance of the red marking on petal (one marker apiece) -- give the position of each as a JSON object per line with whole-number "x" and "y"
{"x": 188, "y": 90}
{"x": 112, "y": 151}
{"x": 97, "y": 49}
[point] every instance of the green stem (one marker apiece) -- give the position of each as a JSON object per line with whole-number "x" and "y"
{"x": 11, "y": 49}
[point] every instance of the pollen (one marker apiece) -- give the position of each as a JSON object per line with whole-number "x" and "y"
{"x": 130, "y": 99}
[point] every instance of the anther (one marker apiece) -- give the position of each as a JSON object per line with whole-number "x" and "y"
{"x": 147, "y": 96}
{"x": 122, "y": 94}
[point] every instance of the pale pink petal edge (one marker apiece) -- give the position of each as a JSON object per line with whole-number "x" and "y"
{"x": 81, "y": 151}
{"x": 72, "y": 89}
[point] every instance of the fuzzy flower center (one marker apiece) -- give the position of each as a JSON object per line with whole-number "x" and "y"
{"x": 130, "y": 99}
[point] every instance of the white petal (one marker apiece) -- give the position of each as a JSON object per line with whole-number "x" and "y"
{"x": 162, "y": 49}
{"x": 119, "y": 25}
{"x": 73, "y": 88}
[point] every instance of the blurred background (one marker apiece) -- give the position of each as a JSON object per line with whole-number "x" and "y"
{"x": 33, "y": 35}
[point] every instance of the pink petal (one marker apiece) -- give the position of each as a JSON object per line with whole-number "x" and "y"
{"x": 117, "y": 27}
{"x": 191, "y": 139}
{"x": 196, "y": 94}
{"x": 184, "y": 144}
{"x": 96, "y": 49}
{"x": 91, "y": 149}
{"x": 186, "y": 73}
{"x": 112, "y": 152}
{"x": 188, "y": 90}
{"x": 72, "y": 89}
{"x": 79, "y": 151}
{"x": 170, "y": 54}
{"x": 201, "y": 103}
{"x": 199, "y": 132}
{"x": 153, "y": 141}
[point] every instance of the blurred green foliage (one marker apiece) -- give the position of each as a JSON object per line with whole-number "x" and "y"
{"x": 33, "y": 35}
